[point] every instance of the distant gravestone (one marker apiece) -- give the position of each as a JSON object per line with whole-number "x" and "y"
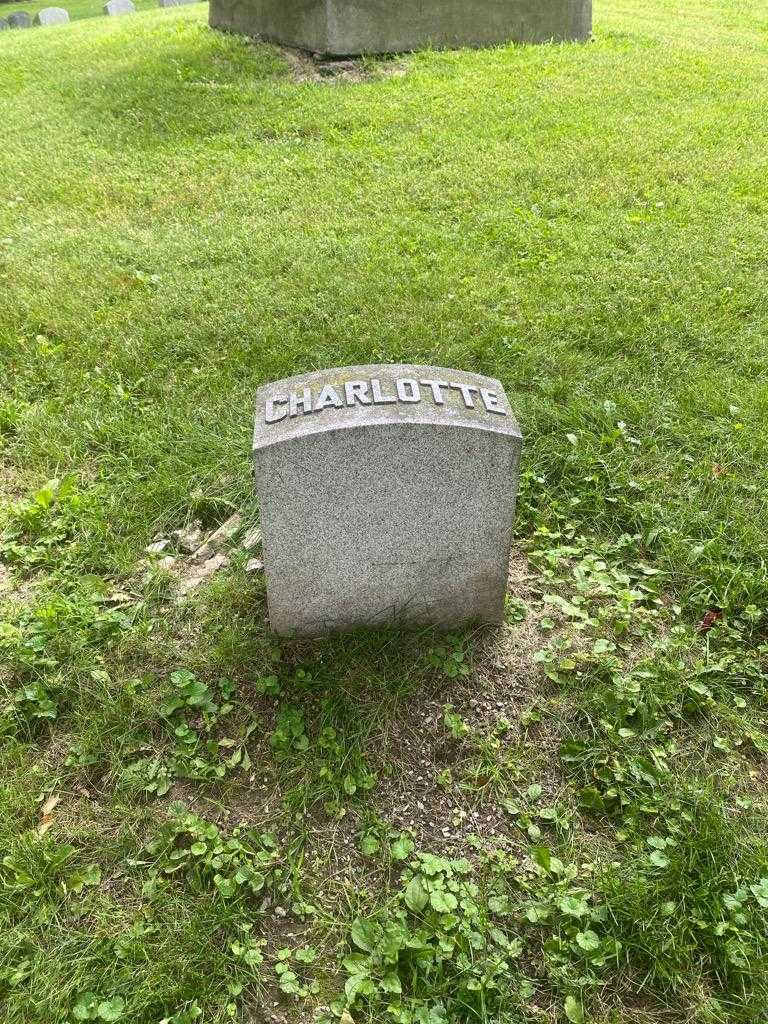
{"x": 19, "y": 19}
{"x": 4, "y": 26}
{"x": 115, "y": 7}
{"x": 52, "y": 16}
{"x": 174, "y": 3}
{"x": 387, "y": 497}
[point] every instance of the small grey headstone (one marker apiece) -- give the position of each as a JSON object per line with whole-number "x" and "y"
{"x": 387, "y": 497}
{"x": 4, "y": 26}
{"x": 115, "y": 7}
{"x": 52, "y": 16}
{"x": 174, "y": 3}
{"x": 19, "y": 19}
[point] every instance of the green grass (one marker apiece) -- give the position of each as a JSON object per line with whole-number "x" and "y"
{"x": 180, "y": 222}
{"x": 77, "y": 9}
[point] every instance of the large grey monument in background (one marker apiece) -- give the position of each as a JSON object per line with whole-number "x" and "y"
{"x": 387, "y": 497}
{"x": 347, "y": 27}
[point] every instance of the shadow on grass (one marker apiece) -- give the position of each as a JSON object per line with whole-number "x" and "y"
{"x": 365, "y": 665}
{"x": 166, "y": 83}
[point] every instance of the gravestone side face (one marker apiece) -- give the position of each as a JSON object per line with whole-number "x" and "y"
{"x": 4, "y": 26}
{"x": 19, "y": 19}
{"x": 387, "y": 497}
{"x": 52, "y": 16}
{"x": 115, "y": 7}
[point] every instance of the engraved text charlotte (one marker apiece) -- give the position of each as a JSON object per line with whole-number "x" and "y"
{"x": 376, "y": 392}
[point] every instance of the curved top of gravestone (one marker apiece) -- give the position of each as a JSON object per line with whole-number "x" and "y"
{"x": 19, "y": 19}
{"x": 52, "y": 16}
{"x": 355, "y": 397}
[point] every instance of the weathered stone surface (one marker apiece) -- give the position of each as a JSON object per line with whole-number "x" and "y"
{"x": 115, "y": 7}
{"x": 188, "y": 539}
{"x": 52, "y": 16}
{"x": 158, "y": 546}
{"x": 252, "y": 539}
{"x": 387, "y": 496}
{"x": 341, "y": 27}
{"x": 19, "y": 19}
{"x": 201, "y": 571}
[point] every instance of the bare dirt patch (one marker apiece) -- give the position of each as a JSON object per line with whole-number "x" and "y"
{"x": 430, "y": 793}
{"x": 307, "y": 67}
{"x": 14, "y": 590}
{"x": 440, "y": 818}
{"x": 509, "y": 680}
{"x": 6, "y": 583}
{"x": 10, "y": 487}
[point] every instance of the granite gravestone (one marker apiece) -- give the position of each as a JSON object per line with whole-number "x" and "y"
{"x": 19, "y": 19}
{"x": 345, "y": 27}
{"x": 387, "y": 496}
{"x": 115, "y": 7}
{"x": 52, "y": 16}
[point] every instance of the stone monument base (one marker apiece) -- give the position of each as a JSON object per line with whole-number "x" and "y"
{"x": 348, "y": 27}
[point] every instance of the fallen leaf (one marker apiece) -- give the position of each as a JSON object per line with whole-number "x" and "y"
{"x": 49, "y": 805}
{"x": 46, "y": 812}
{"x": 712, "y": 616}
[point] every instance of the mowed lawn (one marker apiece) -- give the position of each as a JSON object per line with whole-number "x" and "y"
{"x": 561, "y": 819}
{"x": 77, "y": 9}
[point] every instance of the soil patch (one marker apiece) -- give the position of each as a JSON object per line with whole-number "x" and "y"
{"x": 307, "y": 67}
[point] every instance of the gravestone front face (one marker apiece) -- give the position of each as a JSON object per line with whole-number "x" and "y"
{"x": 115, "y": 7}
{"x": 52, "y": 16}
{"x": 387, "y": 497}
{"x": 19, "y": 19}
{"x": 345, "y": 27}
